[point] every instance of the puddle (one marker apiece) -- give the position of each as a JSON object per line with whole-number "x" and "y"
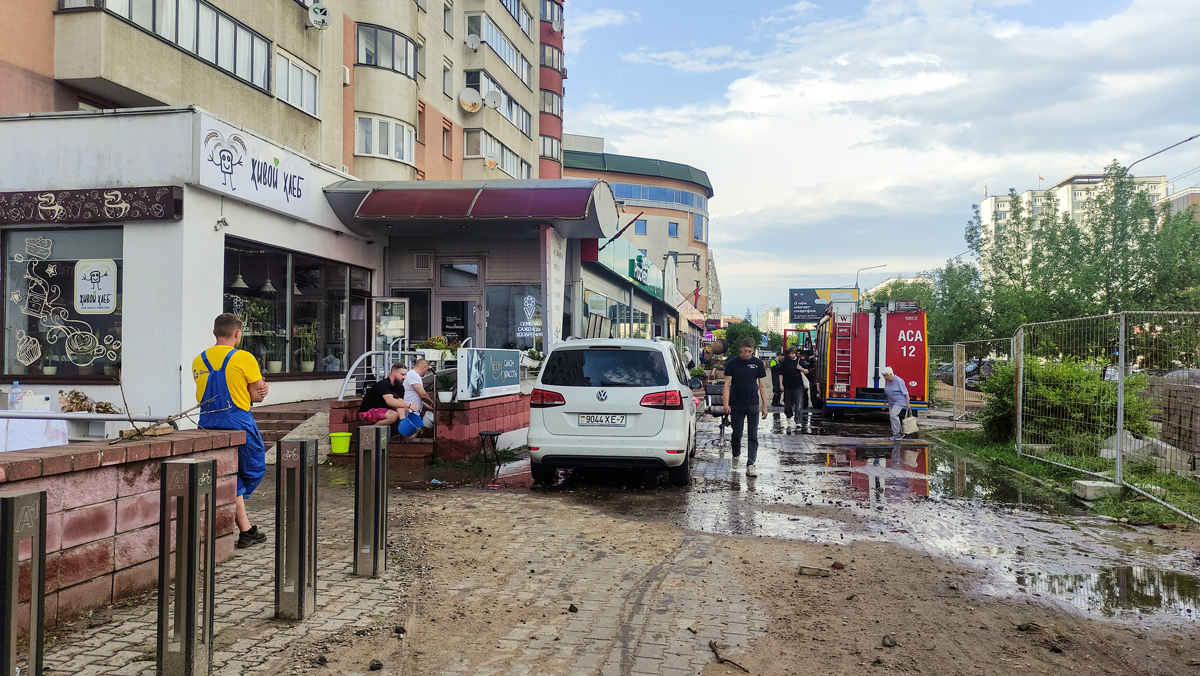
{"x": 1117, "y": 591}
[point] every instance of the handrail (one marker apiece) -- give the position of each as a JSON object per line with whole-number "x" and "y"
{"x": 78, "y": 415}
{"x": 354, "y": 367}
{"x": 389, "y": 355}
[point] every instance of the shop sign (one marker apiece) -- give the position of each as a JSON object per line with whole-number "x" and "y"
{"x": 554, "y": 283}
{"x": 712, "y": 324}
{"x": 95, "y": 287}
{"x": 96, "y": 205}
{"x": 488, "y": 373}
{"x": 238, "y": 164}
{"x": 708, "y": 335}
{"x": 639, "y": 270}
{"x": 808, "y": 305}
{"x": 530, "y": 328}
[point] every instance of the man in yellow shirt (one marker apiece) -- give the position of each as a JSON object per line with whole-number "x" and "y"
{"x": 225, "y": 393}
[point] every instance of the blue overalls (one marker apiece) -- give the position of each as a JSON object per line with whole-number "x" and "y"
{"x": 218, "y": 412}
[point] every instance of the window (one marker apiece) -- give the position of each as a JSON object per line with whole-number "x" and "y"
{"x": 479, "y": 143}
{"x": 649, "y": 193}
{"x": 552, "y": 103}
{"x": 446, "y": 143}
{"x": 199, "y": 28}
{"x": 293, "y": 306}
{"x": 480, "y": 81}
{"x": 384, "y": 48}
{"x": 628, "y": 367}
{"x": 518, "y": 12}
{"x": 421, "y": 57}
{"x": 552, "y": 57}
{"x": 383, "y": 137}
{"x": 62, "y": 310}
{"x": 672, "y": 229}
{"x": 295, "y": 83}
{"x": 552, "y": 148}
{"x": 551, "y": 11}
{"x": 639, "y": 226}
{"x": 642, "y": 252}
{"x": 508, "y": 327}
{"x": 447, "y": 81}
{"x": 699, "y": 228}
{"x": 483, "y": 26}
{"x": 448, "y": 20}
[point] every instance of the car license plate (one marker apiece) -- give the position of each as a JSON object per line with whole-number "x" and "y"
{"x": 596, "y": 420}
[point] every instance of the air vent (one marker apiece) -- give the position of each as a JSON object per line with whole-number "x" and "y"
{"x": 422, "y": 261}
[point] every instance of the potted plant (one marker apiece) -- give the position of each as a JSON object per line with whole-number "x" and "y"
{"x": 531, "y": 358}
{"x": 437, "y": 348}
{"x": 308, "y": 348}
{"x": 274, "y": 363}
{"x": 446, "y": 384}
{"x": 699, "y": 372}
{"x": 51, "y": 358}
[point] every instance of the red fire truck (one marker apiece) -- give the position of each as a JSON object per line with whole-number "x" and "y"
{"x": 854, "y": 344}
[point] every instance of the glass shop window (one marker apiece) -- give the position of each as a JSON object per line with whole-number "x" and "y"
{"x": 62, "y": 313}
{"x": 514, "y": 317}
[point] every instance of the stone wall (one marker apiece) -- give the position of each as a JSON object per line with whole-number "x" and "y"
{"x": 102, "y": 512}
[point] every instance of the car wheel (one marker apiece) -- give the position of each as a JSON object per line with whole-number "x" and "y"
{"x": 542, "y": 473}
{"x": 681, "y": 475}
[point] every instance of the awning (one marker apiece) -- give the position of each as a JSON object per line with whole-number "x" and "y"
{"x": 577, "y": 208}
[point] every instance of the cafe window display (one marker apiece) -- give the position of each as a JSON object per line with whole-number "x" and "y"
{"x": 62, "y": 311}
{"x": 293, "y": 307}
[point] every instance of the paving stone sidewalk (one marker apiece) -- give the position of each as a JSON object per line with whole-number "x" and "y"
{"x": 247, "y": 637}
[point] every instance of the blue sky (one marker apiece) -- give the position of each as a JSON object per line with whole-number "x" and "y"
{"x": 844, "y": 134}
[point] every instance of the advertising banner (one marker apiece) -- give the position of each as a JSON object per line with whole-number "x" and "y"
{"x": 241, "y": 165}
{"x": 808, "y": 305}
{"x": 488, "y": 373}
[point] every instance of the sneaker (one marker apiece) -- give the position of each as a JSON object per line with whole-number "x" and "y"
{"x": 735, "y": 459}
{"x": 751, "y": 471}
{"x": 251, "y": 537}
{"x": 897, "y": 437}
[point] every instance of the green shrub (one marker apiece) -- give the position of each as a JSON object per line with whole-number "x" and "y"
{"x": 1068, "y": 404}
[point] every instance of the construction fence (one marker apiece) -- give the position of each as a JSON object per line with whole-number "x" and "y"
{"x": 1114, "y": 396}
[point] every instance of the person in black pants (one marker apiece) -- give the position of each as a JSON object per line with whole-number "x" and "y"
{"x": 808, "y": 360}
{"x": 776, "y": 374}
{"x": 792, "y": 381}
{"x": 745, "y": 394}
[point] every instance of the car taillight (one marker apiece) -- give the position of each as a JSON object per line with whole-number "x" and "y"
{"x": 540, "y": 398}
{"x": 670, "y": 400}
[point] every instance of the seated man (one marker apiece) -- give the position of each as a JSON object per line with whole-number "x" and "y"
{"x": 383, "y": 401}
{"x": 414, "y": 389}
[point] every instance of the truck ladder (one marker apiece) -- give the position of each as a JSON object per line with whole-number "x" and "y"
{"x": 842, "y": 340}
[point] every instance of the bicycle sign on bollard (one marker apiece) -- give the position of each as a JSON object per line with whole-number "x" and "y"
{"x": 370, "y": 501}
{"x": 296, "y": 529}
{"x": 185, "y": 608}
{"x": 22, "y": 517}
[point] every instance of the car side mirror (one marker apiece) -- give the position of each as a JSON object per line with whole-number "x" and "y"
{"x": 696, "y": 383}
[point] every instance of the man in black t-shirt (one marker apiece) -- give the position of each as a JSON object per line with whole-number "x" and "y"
{"x": 383, "y": 401}
{"x": 745, "y": 395}
{"x": 791, "y": 380}
{"x": 776, "y": 374}
{"x": 809, "y": 361}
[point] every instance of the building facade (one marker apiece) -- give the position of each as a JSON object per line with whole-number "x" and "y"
{"x": 673, "y": 202}
{"x": 773, "y": 319}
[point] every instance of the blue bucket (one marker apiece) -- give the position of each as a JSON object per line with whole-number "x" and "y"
{"x": 410, "y": 425}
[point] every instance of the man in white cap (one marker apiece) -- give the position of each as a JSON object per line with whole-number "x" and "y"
{"x": 897, "y": 399}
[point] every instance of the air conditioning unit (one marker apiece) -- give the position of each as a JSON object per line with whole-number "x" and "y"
{"x": 345, "y": 76}
{"x": 564, "y": 71}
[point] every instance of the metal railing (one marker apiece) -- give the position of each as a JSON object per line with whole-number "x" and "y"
{"x": 974, "y": 362}
{"x": 372, "y": 366}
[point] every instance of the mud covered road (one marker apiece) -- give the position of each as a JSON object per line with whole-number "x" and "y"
{"x": 936, "y": 565}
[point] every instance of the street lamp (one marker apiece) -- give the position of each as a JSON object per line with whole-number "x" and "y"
{"x": 758, "y": 317}
{"x": 867, "y": 268}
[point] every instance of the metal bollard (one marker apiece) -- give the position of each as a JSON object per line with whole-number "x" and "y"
{"x": 22, "y": 515}
{"x": 370, "y": 501}
{"x": 296, "y": 529}
{"x": 185, "y": 613}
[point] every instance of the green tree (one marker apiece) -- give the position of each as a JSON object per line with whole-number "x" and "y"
{"x": 775, "y": 341}
{"x": 749, "y": 318}
{"x": 918, "y": 288}
{"x": 737, "y": 332}
{"x": 957, "y": 312}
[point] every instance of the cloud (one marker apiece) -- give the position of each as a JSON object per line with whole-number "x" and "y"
{"x": 876, "y": 132}
{"x": 575, "y": 38}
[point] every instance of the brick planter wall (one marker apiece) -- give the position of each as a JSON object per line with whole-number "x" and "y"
{"x": 102, "y": 508}
{"x": 459, "y": 423}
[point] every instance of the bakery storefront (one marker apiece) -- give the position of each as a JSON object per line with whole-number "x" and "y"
{"x": 115, "y": 269}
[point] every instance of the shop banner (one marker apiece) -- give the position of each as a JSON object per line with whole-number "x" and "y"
{"x": 98, "y": 205}
{"x": 241, "y": 165}
{"x": 554, "y": 284}
{"x": 488, "y": 373}
{"x": 808, "y": 305}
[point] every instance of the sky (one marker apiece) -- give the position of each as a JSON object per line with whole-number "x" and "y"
{"x": 851, "y": 133}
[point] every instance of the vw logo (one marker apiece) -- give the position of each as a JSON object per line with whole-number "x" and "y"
{"x": 602, "y": 395}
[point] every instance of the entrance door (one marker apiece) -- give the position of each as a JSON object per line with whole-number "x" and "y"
{"x": 460, "y": 319}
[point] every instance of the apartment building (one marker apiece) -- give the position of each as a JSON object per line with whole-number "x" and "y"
{"x": 1072, "y": 194}
{"x": 672, "y": 199}
{"x": 773, "y": 319}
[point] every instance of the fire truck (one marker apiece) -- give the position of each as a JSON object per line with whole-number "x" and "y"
{"x": 852, "y": 346}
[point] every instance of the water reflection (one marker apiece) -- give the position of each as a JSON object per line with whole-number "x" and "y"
{"x": 1118, "y": 590}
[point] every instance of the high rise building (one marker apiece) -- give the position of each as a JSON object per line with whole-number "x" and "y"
{"x": 773, "y": 319}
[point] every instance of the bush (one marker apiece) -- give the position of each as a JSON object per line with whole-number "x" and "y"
{"x": 737, "y": 332}
{"x": 1068, "y": 404}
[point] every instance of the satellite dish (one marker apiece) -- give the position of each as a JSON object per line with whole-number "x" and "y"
{"x": 492, "y": 99}
{"x": 318, "y": 16}
{"x": 470, "y": 101}
{"x": 556, "y": 25}
{"x": 473, "y": 42}
{"x": 491, "y": 161}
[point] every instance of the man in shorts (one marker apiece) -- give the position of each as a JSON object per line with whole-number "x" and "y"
{"x": 383, "y": 401}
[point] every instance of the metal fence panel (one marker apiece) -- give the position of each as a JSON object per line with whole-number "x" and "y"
{"x": 1068, "y": 396}
{"x": 941, "y": 370}
{"x": 974, "y": 362}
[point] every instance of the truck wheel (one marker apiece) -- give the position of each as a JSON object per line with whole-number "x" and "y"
{"x": 681, "y": 475}
{"x": 542, "y": 473}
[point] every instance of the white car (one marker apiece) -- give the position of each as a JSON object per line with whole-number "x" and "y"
{"x": 613, "y": 402}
